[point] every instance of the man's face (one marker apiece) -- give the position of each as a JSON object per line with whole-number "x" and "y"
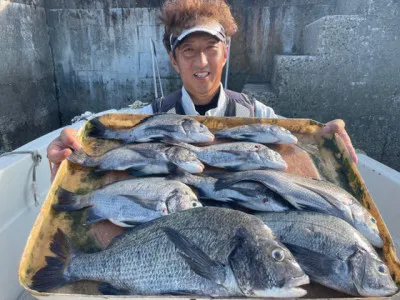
{"x": 199, "y": 60}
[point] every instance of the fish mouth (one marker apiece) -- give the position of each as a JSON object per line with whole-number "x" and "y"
{"x": 381, "y": 292}
{"x": 295, "y": 282}
{"x": 205, "y": 137}
{"x": 289, "y": 140}
{"x": 192, "y": 167}
{"x": 289, "y": 290}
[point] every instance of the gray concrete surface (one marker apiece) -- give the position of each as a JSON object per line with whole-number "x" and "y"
{"x": 28, "y": 106}
{"x": 102, "y": 57}
{"x": 351, "y": 71}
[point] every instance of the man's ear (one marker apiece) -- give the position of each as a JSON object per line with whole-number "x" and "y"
{"x": 226, "y": 51}
{"x": 173, "y": 61}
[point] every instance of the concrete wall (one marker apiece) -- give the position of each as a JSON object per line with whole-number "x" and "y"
{"x": 267, "y": 28}
{"x": 28, "y": 105}
{"x": 351, "y": 70}
{"x": 102, "y": 54}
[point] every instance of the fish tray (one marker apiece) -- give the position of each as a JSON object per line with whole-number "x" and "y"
{"x": 316, "y": 155}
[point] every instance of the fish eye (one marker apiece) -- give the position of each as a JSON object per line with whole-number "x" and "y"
{"x": 194, "y": 204}
{"x": 278, "y": 254}
{"x": 373, "y": 220}
{"x": 382, "y": 269}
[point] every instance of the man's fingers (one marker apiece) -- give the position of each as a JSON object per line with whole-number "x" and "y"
{"x": 57, "y": 156}
{"x": 349, "y": 145}
{"x": 338, "y": 126}
{"x": 68, "y": 138}
{"x": 335, "y": 126}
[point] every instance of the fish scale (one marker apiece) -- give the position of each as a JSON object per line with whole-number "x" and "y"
{"x": 259, "y": 133}
{"x": 326, "y": 247}
{"x": 252, "y": 195}
{"x": 155, "y": 128}
{"x": 237, "y": 156}
{"x": 130, "y": 201}
{"x": 205, "y": 251}
{"x": 305, "y": 193}
{"x": 144, "y": 159}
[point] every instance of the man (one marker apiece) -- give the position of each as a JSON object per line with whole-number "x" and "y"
{"x": 196, "y": 35}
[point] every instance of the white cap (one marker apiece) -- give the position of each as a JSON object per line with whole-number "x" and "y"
{"x": 213, "y": 28}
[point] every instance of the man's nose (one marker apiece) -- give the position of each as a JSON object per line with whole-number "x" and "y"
{"x": 201, "y": 60}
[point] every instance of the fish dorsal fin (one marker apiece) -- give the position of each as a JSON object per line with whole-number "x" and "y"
{"x": 196, "y": 258}
{"x": 153, "y": 116}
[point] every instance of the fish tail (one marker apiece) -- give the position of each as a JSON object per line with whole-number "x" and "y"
{"x": 68, "y": 201}
{"x": 98, "y": 129}
{"x": 53, "y": 274}
{"x": 80, "y": 157}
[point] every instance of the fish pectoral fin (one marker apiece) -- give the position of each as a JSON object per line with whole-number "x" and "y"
{"x": 239, "y": 154}
{"x": 143, "y": 202}
{"x": 122, "y": 223}
{"x": 92, "y": 217}
{"x": 107, "y": 289}
{"x": 245, "y": 191}
{"x": 167, "y": 128}
{"x": 314, "y": 263}
{"x": 248, "y": 135}
{"x": 138, "y": 171}
{"x": 328, "y": 197}
{"x": 196, "y": 258}
{"x": 223, "y": 183}
{"x": 146, "y": 153}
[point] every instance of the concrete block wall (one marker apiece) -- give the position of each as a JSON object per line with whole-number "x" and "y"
{"x": 102, "y": 55}
{"x": 268, "y": 28}
{"x": 28, "y": 106}
{"x": 349, "y": 69}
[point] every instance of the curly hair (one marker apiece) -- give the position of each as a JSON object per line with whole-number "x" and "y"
{"x": 177, "y": 15}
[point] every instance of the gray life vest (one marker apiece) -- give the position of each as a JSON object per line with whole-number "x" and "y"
{"x": 238, "y": 104}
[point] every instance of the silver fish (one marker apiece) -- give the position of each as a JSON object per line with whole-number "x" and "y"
{"x": 157, "y": 128}
{"x": 312, "y": 194}
{"x": 259, "y": 133}
{"x": 207, "y": 251}
{"x": 141, "y": 159}
{"x": 129, "y": 202}
{"x": 237, "y": 156}
{"x": 332, "y": 252}
{"x": 249, "y": 194}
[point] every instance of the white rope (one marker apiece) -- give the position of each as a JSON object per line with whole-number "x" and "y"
{"x": 37, "y": 158}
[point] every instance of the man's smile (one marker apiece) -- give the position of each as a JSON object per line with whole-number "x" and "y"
{"x": 201, "y": 74}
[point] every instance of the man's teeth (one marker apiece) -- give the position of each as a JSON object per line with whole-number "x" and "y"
{"x": 201, "y": 75}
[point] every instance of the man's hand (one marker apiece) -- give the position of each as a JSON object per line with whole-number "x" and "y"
{"x": 337, "y": 126}
{"x": 60, "y": 148}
